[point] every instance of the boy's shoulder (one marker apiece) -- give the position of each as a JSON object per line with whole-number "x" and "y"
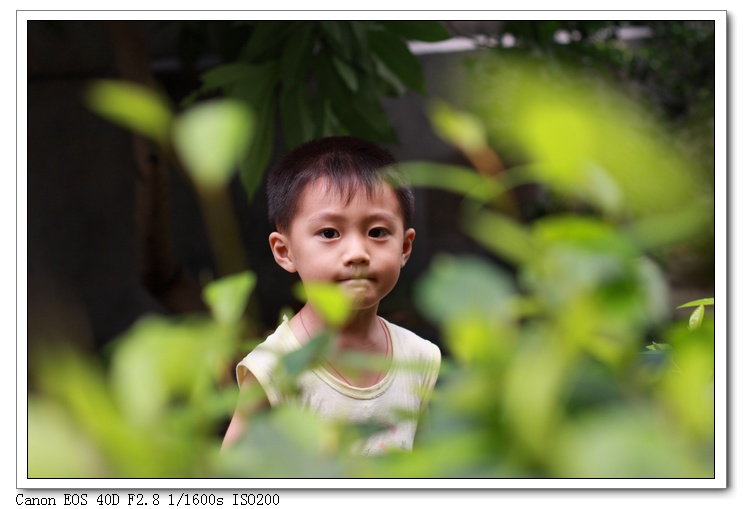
{"x": 413, "y": 344}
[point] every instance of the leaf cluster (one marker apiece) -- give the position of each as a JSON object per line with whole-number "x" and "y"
{"x": 319, "y": 78}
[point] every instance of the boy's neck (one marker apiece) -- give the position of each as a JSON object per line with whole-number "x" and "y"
{"x": 361, "y": 332}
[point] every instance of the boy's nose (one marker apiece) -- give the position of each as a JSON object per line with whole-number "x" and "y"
{"x": 356, "y": 252}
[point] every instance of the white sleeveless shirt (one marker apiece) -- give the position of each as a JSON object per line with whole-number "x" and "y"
{"x": 402, "y": 393}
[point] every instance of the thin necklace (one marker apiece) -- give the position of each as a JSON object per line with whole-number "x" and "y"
{"x": 386, "y": 349}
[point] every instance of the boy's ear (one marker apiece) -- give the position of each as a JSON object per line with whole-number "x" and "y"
{"x": 407, "y": 245}
{"x": 281, "y": 253}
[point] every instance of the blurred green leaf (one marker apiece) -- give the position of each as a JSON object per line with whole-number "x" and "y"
{"x": 132, "y": 106}
{"x": 327, "y": 299}
{"x": 459, "y": 128}
{"x": 628, "y": 443}
{"x": 699, "y": 302}
{"x": 501, "y": 234}
{"x": 456, "y": 179}
{"x": 306, "y": 357}
{"x": 211, "y": 139}
{"x": 585, "y": 139}
{"x": 58, "y": 447}
{"x": 227, "y": 297}
{"x": 533, "y": 392}
{"x": 464, "y": 286}
{"x": 159, "y": 362}
{"x": 290, "y": 442}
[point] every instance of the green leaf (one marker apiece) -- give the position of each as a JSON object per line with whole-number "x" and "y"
{"x": 259, "y": 85}
{"x": 429, "y": 31}
{"x": 327, "y": 299}
{"x": 225, "y": 76}
{"x": 657, "y": 347}
{"x": 347, "y": 74}
{"x": 267, "y": 40}
{"x": 295, "y": 115}
{"x": 211, "y": 138}
{"x": 464, "y": 286}
{"x": 695, "y": 320}
{"x": 455, "y": 179}
{"x": 339, "y": 37}
{"x": 132, "y": 106}
{"x": 295, "y": 57}
{"x": 227, "y": 297}
{"x": 305, "y": 357}
{"x": 361, "y": 114}
{"x": 389, "y": 81}
{"x": 698, "y": 302}
{"x": 253, "y": 166}
{"x": 362, "y": 55}
{"x": 398, "y": 58}
{"x": 459, "y": 128}
{"x": 500, "y": 234}
{"x": 586, "y": 140}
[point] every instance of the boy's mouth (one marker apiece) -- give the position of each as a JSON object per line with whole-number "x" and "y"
{"x": 356, "y": 277}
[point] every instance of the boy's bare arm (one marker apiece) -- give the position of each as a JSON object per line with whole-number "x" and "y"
{"x": 247, "y": 405}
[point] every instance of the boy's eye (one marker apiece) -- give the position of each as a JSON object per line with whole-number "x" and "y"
{"x": 329, "y": 233}
{"x": 376, "y": 233}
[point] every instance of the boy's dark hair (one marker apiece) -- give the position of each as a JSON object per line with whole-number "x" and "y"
{"x": 348, "y": 163}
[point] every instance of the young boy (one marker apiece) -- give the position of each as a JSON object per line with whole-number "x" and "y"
{"x": 341, "y": 216}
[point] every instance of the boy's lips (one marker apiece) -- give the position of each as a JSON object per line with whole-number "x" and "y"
{"x": 359, "y": 277}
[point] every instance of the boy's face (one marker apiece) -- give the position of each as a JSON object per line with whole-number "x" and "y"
{"x": 359, "y": 244}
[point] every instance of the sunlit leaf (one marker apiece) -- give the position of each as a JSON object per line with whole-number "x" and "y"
{"x": 571, "y": 126}
{"x": 327, "y": 299}
{"x": 132, "y": 106}
{"x": 501, "y": 234}
{"x": 211, "y": 138}
{"x": 459, "y": 128}
{"x": 695, "y": 320}
{"x": 227, "y": 297}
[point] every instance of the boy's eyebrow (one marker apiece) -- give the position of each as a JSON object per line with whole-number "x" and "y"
{"x": 329, "y": 215}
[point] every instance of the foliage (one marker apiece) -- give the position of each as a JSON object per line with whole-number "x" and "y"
{"x": 661, "y": 57}
{"x": 548, "y": 375}
{"x": 322, "y": 77}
